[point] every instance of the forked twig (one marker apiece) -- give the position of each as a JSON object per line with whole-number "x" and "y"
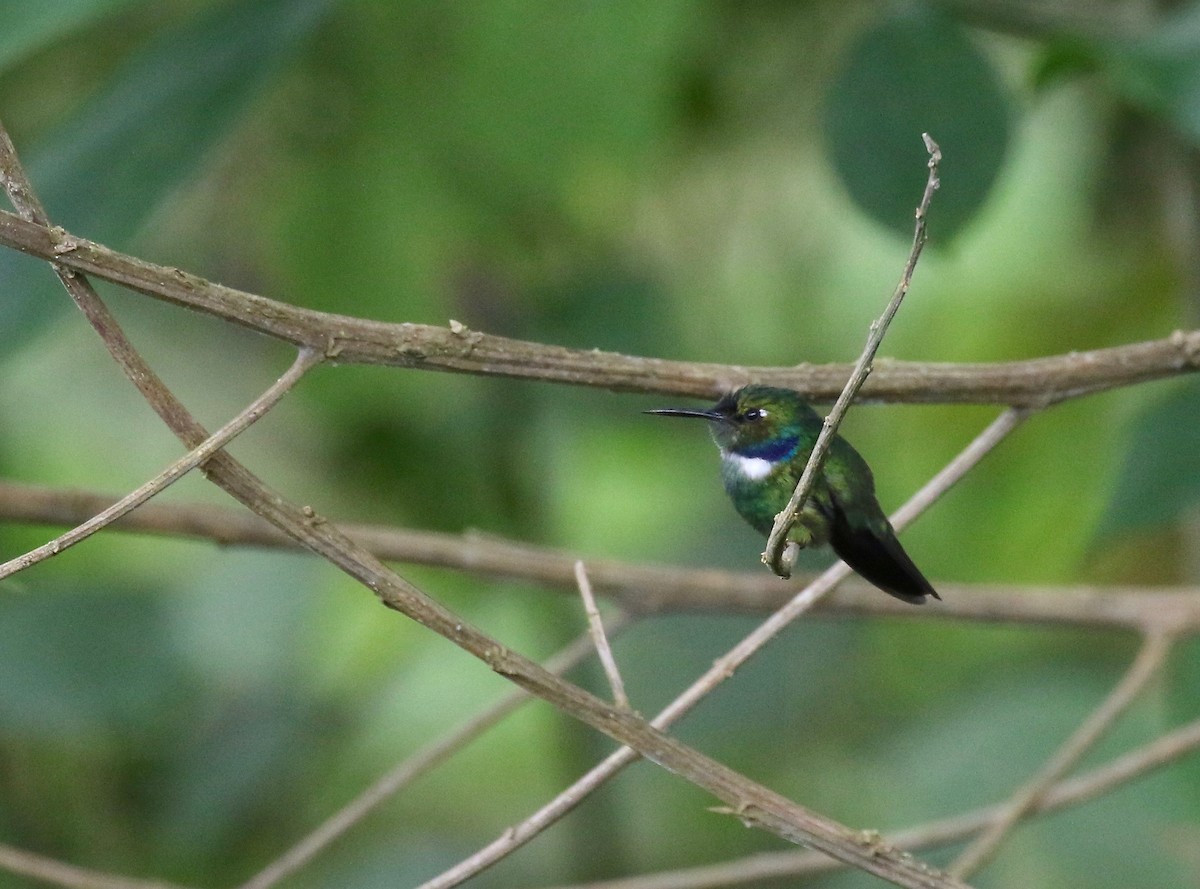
{"x": 773, "y": 555}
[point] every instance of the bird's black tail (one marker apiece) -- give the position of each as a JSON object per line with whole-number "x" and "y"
{"x": 878, "y": 557}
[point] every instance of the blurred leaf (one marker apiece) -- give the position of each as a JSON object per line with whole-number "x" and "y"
{"x": 111, "y": 165}
{"x": 913, "y": 73}
{"x": 30, "y": 26}
{"x": 546, "y": 95}
{"x": 1063, "y": 59}
{"x": 518, "y": 130}
{"x": 1183, "y": 692}
{"x": 84, "y": 662}
{"x": 1160, "y": 73}
{"x": 979, "y": 745}
{"x": 591, "y": 308}
{"x": 102, "y": 172}
{"x": 226, "y": 785}
{"x": 1159, "y": 479}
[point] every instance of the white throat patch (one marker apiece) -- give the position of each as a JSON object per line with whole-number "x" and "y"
{"x": 753, "y": 468}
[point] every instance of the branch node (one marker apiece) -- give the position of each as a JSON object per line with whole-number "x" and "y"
{"x": 501, "y": 661}
{"x": 744, "y": 812}
{"x": 63, "y": 241}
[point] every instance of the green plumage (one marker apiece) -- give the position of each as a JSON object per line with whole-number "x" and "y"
{"x": 766, "y": 435}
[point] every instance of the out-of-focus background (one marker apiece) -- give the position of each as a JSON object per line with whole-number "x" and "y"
{"x": 714, "y": 181}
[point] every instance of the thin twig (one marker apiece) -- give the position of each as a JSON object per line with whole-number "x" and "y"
{"x": 599, "y": 638}
{"x": 305, "y": 361}
{"x": 762, "y": 806}
{"x": 781, "y": 865}
{"x": 48, "y": 870}
{"x": 773, "y": 555}
{"x": 1037, "y": 382}
{"x": 637, "y": 588}
{"x": 404, "y": 773}
{"x": 516, "y": 836}
{"x": 1150, "y": 658}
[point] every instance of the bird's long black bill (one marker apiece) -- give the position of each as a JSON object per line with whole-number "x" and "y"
{"x": 685, "y": 412}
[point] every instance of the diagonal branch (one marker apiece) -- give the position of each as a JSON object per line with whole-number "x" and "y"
{"x": 455, "y": 348}
{"x": 47, "y": 870}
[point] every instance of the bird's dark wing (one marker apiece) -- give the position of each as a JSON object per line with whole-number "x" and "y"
{"x": 871, "y": 548}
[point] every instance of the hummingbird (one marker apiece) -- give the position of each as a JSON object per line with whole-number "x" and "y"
{"x": 765, "y": 435}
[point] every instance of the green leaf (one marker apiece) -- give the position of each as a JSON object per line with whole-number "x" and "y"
{"x": 479, "y": 130}
{"x": 102, "y": 172}
{"x": 1160, "y": 73}
{"x": 29, "y": 27}
{"x": 913, "y": 73}
{"x": 1183, "y": 690}
{"x": 1159, "y": 480}
{"x": 85, "y": 662}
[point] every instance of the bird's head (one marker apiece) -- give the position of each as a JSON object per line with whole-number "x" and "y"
{"x": 754, "y": 421}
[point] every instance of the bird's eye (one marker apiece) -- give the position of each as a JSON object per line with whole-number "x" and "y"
{"x": 752, "y": 414}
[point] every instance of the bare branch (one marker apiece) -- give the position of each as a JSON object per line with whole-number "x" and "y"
{"x": 773, "y": 555}
{"x": 1038, "y": 382}
{"x": 47, "y": 870}
{"x": 462, "y": 350}
{"x": 638, "y": 588}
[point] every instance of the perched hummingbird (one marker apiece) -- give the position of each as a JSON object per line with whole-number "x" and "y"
{"x": 766, "y": 435}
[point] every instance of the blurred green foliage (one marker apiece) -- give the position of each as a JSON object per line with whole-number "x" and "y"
{"x": 918, "y": 68}
{"x": 716, "y": 181}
